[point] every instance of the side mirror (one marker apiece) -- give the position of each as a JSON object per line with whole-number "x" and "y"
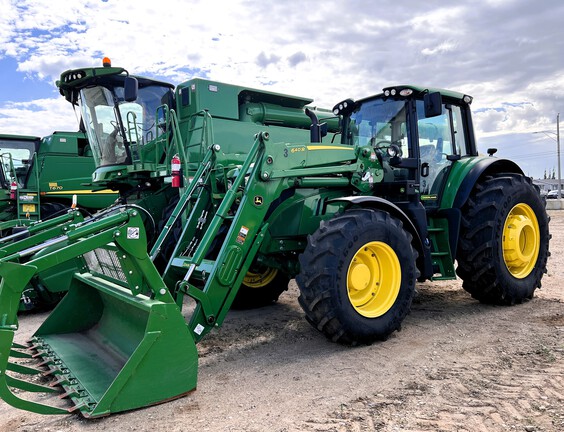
{"x": 433, "y": 104}
{"x": 130, "y": 89}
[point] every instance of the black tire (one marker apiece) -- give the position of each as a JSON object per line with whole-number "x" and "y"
{"x": 36, "y": 298}
{"x": 503, "y": 247}
{"x": 261, "y": 287}
{"x": 50, "y": 210}
{"x": 338, "y": 256}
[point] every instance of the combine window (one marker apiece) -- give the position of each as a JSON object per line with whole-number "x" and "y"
{"x": 15, "y": 156}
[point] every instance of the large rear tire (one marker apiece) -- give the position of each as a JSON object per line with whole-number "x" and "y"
{"x": 357, "y": 276}
{"x": 503, "y": 247}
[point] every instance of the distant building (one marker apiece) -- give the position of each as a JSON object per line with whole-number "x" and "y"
{"x": 546, "y": 185}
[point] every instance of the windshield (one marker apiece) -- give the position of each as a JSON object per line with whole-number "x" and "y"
{"x": 116, "y": 134}
{"x": 15, "y": 158}
{"x": 379, "y": 124}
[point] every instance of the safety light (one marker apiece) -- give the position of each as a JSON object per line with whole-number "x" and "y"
{"x": 344, "y": 108}
{"x": 467, "y": 99}
{"x": 106, "y": 62}
{"x": 406, "y": 92}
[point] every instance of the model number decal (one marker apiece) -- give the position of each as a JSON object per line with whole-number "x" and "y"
{"x": 54, "y": 186}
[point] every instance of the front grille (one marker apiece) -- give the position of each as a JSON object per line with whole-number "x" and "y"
{"x": 105, "y": 262}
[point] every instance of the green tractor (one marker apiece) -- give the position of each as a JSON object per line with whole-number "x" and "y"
{"x": 397, "y": 195}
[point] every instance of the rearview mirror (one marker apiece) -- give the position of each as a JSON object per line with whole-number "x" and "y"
{"x": 130, "y": 89}
{"x": 433, "y": 104}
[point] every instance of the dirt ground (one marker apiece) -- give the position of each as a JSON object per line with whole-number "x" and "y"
{"x": 457, "y": 365}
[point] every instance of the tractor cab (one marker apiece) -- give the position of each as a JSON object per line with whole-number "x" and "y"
{"x": 417, "y": 134}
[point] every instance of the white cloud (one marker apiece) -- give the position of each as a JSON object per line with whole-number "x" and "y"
{"x": 505, "y": 53}
{"x": 39, "y": 118}
{"x": 441, "y": 48}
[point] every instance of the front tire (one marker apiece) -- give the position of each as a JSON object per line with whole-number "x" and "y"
{"x": 504, "y": 238}
{"x": 357, "y": 276}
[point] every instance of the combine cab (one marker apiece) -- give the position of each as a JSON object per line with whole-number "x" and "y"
{"x": 395, "y": 197}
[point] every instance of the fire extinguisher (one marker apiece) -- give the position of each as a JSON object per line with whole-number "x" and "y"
{"x": 176, "y": 171}
{"x": 13, "y": 189}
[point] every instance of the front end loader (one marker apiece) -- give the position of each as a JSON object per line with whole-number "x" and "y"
{"x": 401, "y": 197}
{"x": 135, "y": 127}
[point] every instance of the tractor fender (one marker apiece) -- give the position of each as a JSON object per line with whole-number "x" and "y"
{"x": 483, "y": 166}
{"x": 424, "y": 260}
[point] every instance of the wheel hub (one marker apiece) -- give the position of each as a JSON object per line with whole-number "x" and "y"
{"x": 521, "y": 241}
{"x": 260, "y": 279}
{"x": 374, "y": 279}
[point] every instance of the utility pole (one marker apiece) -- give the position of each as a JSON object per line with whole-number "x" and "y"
{"x": 558, "y": 156}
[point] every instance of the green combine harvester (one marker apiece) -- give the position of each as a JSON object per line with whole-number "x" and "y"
{"x": 40, "y": 179}
{"x": 40, "y": 176}
{"x": 356, "y": 215}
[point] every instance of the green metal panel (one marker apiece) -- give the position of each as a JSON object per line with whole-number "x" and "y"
{"x": 223, "y": 99}
{"x": 458, "y": 173}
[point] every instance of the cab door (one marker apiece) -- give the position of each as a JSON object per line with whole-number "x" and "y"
{"x": 440, "y": 140}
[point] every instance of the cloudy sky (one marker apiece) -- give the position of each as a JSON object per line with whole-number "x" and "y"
{"x": 507, "y": 54}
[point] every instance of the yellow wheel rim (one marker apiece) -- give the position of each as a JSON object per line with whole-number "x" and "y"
{"x": 374, "y": 279}
{"x": 260, "y": 279}
{"x": 521, "y": 240}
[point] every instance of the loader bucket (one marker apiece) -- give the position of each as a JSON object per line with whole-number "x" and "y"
{"x": 105, "y": 348}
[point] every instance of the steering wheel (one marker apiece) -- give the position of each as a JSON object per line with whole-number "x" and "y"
{"x": 383, "y": 144}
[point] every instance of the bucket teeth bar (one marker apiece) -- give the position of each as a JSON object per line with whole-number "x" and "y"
{"x": 7, "y": 381}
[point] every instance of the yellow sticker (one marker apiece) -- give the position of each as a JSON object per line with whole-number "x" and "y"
{"x": 28, "y": 208}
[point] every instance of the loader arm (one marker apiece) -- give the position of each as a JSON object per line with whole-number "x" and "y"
{"x": 274, "y": 167}
{"x": 38, "y": 233}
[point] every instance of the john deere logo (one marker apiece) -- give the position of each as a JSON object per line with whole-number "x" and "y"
{"x": 258, "y": 200}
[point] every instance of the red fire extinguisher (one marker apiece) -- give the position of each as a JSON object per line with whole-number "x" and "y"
{"x": 13, "y": 189}
{"x": 175, "y": 171}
